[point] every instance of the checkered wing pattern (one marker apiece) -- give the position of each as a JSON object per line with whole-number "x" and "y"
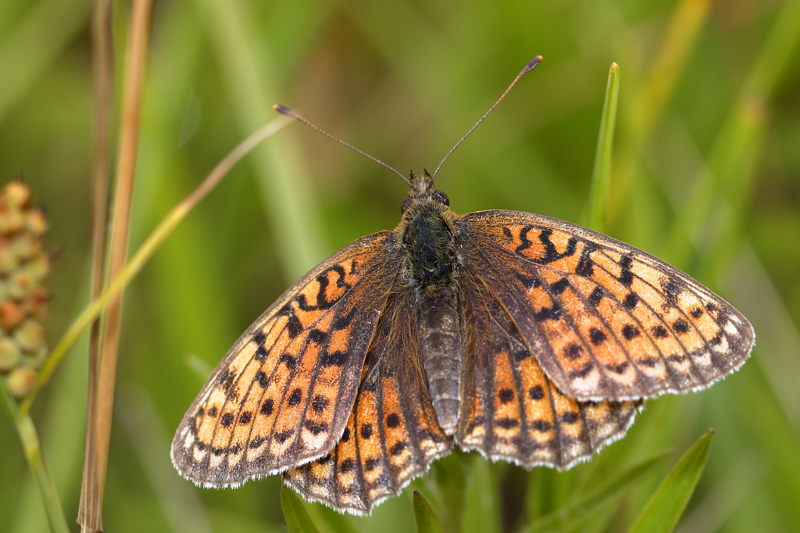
{"x": 605, "y": 320}
{"x": 283, "y": 394}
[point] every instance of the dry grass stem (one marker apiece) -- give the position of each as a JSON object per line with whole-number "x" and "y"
{"x": 102, "y": 388}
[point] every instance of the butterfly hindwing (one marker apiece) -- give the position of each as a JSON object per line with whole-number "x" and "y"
{"x": 511, "y": 410}
{"x": 283, "y": 394}
{"x": 392, "y": 435}
{"x": 604, "y": 319}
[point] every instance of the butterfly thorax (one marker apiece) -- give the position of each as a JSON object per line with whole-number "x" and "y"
{"x": 428, "y": 240}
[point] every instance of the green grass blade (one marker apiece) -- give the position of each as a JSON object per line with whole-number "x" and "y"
{"x": 60, "y": 22}
{"x": 601, "y": 175}
{"x": 29, "y": 438}
{"x": 297, "y": 520}
{"x": 482, "y": 499}
{"x": 731, "y": 168}
{"x": 665, "y": 507}
{"x": 596, "y": 500}
{"x": 288, "y": 200}
{"x": 427, "y": 522}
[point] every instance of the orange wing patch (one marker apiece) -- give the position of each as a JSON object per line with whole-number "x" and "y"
{"x": 392, "y": 435}
{"x": 605, "y": 321}
{"x": 513, "y": 410}
{"x": 283, "y": 393}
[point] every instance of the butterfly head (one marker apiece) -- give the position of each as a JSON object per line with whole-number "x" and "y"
{"x": 426, "y": 231}
{"x": 423, "y": 193}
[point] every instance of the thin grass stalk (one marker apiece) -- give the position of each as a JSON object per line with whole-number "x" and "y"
{"x": 99, "y": 420}
{"x": 287, "y": 199}
{"x": 46, "y": 28}
{"x": 742, "y": 131}
{"x": 138, "y": 259}
{"x": 651, "y": 99}
{"x": 102, "y": 58}
{"x": 29, "y": 439}
{"x": 601, "y": 174}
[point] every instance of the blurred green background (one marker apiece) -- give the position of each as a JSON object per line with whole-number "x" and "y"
{"x": 706, "y": 176}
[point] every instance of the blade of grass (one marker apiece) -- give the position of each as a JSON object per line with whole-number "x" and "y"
{"x": 648, "y": 106}
{"x": 728, "y": 493}
{"x": 146, "y": 250}
{"x": 481, "y": 508}
{"x": 426, "y": 519}
{"x": 288, "y": 201}
{"x": 776, "y": 436}
{"x": 665, "y": 507}
{"x": 60, "y": 22}
{"x": 29, "y": 438}
{"x": 297, "y": 520}
{"x": 180, "y": 503}
{"x": 739, "y": 139}
{"x": 684, "y": 27}
{"x": 451, "y": 482}
{"x": 62, "y": 440}
{"x": 601, "y": 174}
{"x": 582, "y": 507}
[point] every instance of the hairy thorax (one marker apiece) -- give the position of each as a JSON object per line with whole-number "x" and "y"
{"x": 428, "y": 241}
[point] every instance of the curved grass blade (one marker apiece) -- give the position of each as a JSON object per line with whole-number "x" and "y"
{"x": 584, "y": 506}
{"x": 29, "y": 439}
{"x": 426, "y": 519}
{"x": 481, "y": 497}
{"x": 665, "y": 507}
{"x": 144, "y": 252}
{"x": 296, "y": 517}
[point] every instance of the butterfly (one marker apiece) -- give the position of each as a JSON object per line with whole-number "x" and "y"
{"x": 523, "y": 337}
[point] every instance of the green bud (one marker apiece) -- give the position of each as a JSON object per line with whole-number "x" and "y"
{"x": 9, "y": 354}
{"x": 8, "y": 261}
{"x": 36, "y": 222}
{"x": 30, "y": 335}
{"x": 38, "y": 267}
{"x": 21, "y": 284}
{"x": 25, "y": 246}
{"x": 16, "y": 194}
{"x": 11, "y": 220}
{"x": 21, "y": 380}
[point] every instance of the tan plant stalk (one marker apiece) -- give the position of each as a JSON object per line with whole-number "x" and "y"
{"x": 102, "y": 388}
{"x": 102, "y": 57}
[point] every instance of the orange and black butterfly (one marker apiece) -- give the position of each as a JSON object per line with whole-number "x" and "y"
{"x": 526, "y": 338}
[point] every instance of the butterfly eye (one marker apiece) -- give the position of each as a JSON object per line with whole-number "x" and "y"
{"x": 441, "y": 197}
{"x": 406, "y": 203}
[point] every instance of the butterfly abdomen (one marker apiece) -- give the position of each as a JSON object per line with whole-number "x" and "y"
{"x": 439, "y": 330}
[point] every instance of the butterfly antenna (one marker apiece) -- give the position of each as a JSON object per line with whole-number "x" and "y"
{"x": 529, "y": 67}
{"x": 291, "y": 113}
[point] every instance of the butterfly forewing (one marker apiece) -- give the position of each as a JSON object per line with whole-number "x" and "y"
{"x": 283, "y": 393}
{"x": 392, "y": 434}
{"x": 605, "y": 320}
{"x": 512, "y": 411}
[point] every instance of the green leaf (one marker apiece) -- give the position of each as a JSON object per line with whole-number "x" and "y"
{"x": 296, "y": 517}
{"x": 601, "y": 175}
{"x": 450, "y": 479}
{"x": 482, "y": 505}
{"x": 29, "y": 438}
{"x": 427, "y": 522}
{"x": 665, "y": 507}
{"x": 583, "y": 507}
